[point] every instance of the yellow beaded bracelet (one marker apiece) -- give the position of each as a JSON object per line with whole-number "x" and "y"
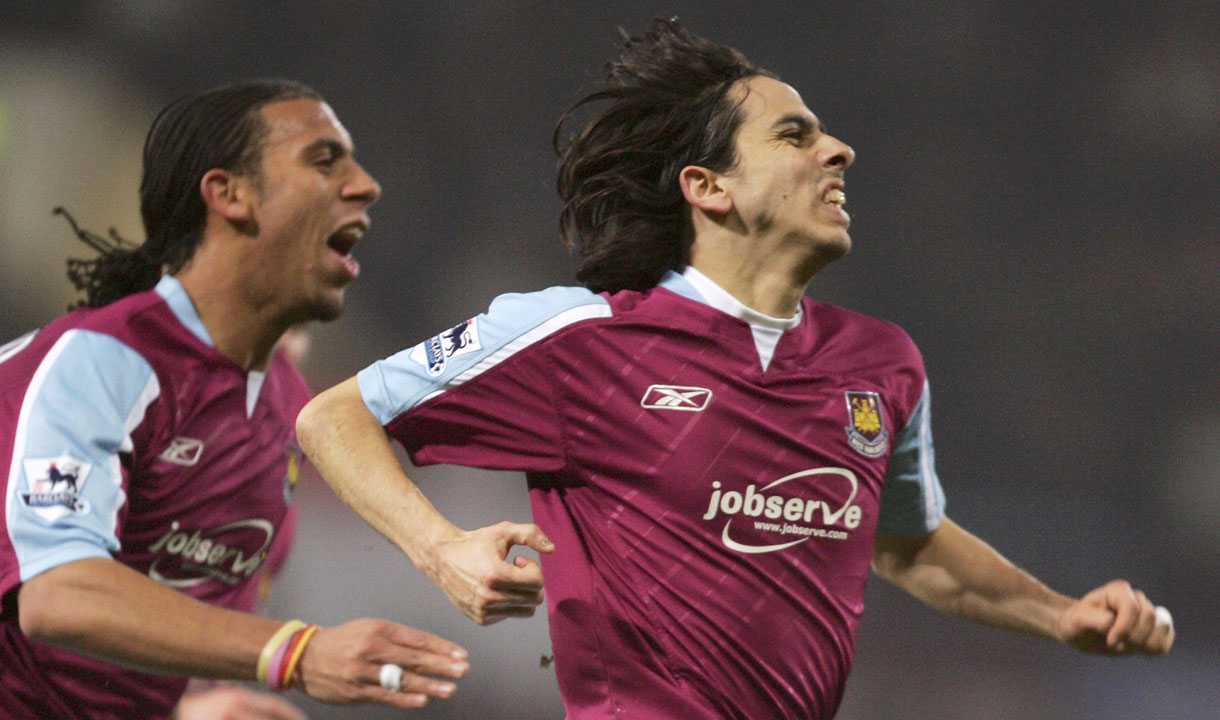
{"x": 264, "y": 658}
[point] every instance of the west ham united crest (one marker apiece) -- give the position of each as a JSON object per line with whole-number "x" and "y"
{"x": 292, "y": 454}
{"x": 866, "y": 431}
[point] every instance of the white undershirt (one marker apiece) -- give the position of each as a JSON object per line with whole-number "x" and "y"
{"x": 254, "y": 384}
{"x": 767, "y": 330}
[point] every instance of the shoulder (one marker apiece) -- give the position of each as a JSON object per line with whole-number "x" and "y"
{"x": 519, "y": 320}
{"x": 859, "y": 335}
{"x": 75, "y": 388}
{"x": 139, "y": 321}
{"x": 515, "y": 326}
{"x": 536, "y": 308}
{"x": 85, "y": 364}
{"x": 512, "y": 322}
{"x": 868, "y": 350}
{"x": 102, "y": 354}
{"x": 67, "y": 345}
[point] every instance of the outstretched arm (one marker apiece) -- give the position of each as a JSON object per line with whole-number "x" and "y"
{"x": 352, "y": 451}
{"x": 103, "y": 608}
{"x": 959, "y": 574}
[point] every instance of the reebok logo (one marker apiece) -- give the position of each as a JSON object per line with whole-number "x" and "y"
{"x": 676, "y": 397}
{"x": 183, "y": 451}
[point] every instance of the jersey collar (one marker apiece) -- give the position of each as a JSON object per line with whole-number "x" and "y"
{"x": 696, "y": 286}
{"x": 180, "y": 303}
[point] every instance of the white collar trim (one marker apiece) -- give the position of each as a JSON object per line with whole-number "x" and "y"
{"x": 767, "y": 330}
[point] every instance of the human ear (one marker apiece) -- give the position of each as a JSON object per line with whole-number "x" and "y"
{"x": 705, "y": 190}
{"x": 225, "y": 194}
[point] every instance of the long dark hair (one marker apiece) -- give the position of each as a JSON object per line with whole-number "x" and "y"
{"x": 669, "y": 107}
{"x": 218, "y": 128}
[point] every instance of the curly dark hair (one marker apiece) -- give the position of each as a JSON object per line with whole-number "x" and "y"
{"x": 669, "y": 107}
{"x": 217, "y": 128}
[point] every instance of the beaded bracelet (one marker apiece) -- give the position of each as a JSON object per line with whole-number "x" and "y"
{"x": 274, "y": 646}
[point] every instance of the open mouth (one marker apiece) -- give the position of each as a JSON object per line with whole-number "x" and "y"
{"x": 834, "y": 196}
{"x": 341, "y": 243}
{"x": 345, "y": 239}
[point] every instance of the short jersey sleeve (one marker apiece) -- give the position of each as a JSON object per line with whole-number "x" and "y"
{"x": 912, "y": 501}
{"x": 65, "y": 482}
{"x": 481, "y": 393}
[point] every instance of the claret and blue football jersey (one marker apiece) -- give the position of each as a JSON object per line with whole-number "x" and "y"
{"x": 127, "y": 435}
{"x": 712, "y": 479}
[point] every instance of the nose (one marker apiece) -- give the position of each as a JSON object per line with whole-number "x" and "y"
{"x": 834, "y": 153}
{"x": 362, "y": 187}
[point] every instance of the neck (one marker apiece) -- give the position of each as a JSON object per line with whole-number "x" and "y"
{"x": 243, "y": 326}
{"x": 771, "y": 283}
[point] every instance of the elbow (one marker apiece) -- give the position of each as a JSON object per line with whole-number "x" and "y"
{"x": 886, "y": 567}
{"x": 330, "y": 416}
{"x": 896, "y": 556}
{"x": 314, "y": 421}
{"x": 63, "y": 605}
{"x": 307, "y": 426}
{"x": 34, "y": 621}
{"x": 38, "y": 610}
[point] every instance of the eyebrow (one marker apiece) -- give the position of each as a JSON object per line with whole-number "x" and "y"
{"x": 336, "y": 148}
{"x": 801, "y": 121}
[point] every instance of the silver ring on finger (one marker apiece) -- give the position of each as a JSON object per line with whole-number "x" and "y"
{"x": 391, "y": 677}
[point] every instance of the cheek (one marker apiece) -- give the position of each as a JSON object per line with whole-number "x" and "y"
{"x": 786, "y": 181}
{"x": 302, "y": 232}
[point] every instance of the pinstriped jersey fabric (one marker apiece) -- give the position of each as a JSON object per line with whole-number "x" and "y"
{"x": 125, "y": 434}
{"x": 714, "y": 519}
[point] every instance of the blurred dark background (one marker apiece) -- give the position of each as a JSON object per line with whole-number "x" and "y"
{"x": 1034, "y": 200}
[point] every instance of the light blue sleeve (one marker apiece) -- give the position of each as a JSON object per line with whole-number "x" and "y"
{"x": 912, "y": 500}
{"x": 398, "y": 383}
{"x": 65, "y": 484}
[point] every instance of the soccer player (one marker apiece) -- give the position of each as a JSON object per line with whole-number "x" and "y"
{"x": 148, "y": 439}
{"x": 714, "y": 460}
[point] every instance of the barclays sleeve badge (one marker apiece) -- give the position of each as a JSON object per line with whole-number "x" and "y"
{"x": 435, "y": 352}
{"x": 55, "y": 485}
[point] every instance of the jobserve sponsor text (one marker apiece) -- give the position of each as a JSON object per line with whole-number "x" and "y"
{"x": 787, "y": 508}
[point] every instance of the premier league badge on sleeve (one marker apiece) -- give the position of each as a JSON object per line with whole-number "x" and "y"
{"x": 55, "y": 485}
{"x": 866, "y": 431}
{"x": 435, "y": 352}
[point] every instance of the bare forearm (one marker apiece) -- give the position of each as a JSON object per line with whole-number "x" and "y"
{"x": 959, "y": 574}
{"x": 104, "y": 608}
{"x": 352, "y": 452}
{"x": 350, "y": 448}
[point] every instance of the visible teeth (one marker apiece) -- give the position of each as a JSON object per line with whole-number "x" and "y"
{"x": 353, "y": 233}
{"x": 836, "y": 196}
